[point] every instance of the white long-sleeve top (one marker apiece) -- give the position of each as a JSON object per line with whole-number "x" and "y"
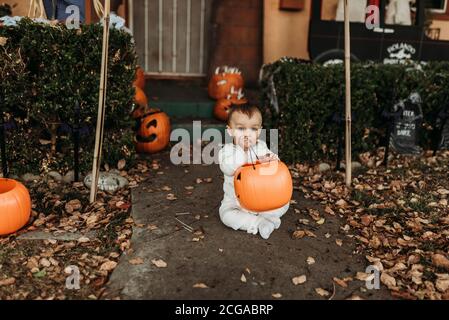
{"x": 231, "y": 157}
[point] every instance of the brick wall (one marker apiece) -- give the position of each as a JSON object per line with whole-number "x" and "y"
{"x": 237, "y": 36}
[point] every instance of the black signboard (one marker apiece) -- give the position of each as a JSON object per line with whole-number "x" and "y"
{"x": 406, "y": 125}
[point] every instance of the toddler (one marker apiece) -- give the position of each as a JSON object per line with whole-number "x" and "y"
{"x": 244, "y": 126}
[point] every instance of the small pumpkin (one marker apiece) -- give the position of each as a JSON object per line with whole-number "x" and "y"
{"x": 223, "y": 106}
{"x": 139, "y": 111}
{"x": 15, "y": 206}
{"x": 139, "y": 80}
{"x": 153, "y": 134}
{"x": 221, "y": 82}
{"x": 140, "y": 98}
{"x": 263, "y": 186}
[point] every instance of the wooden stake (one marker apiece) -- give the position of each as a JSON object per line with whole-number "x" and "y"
{"x": 101, "y": 104}
{"x": 348, "y": 96}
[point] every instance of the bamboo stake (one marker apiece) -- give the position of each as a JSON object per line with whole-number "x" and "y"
{"x": 101, "y": 105}
{"x": 348, "y": 96}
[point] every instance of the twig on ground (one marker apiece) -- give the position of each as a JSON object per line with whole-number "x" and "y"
{"x": 186, "y": 226}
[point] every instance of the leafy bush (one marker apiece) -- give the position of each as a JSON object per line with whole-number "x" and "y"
{"x": 309, "y": 95}
{"x": 54, "y": 69}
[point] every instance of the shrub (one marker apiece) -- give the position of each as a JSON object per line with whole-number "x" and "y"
{"x": 309, "y": 94}
{"x": 56, "y": 68}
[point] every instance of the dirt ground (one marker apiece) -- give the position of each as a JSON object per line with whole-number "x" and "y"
{"x": 166, "y": 261}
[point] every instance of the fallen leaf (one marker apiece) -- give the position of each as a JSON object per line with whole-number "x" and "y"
{"x": 243, "y": 278}
{"x": 108, "y": 266}
{"x": 340, "y": 282}
{"x": 159, "y": 263}
{"x": 440, "y": 261}
{"x": 322, "y": 292}
{"x": 7, "y": 282}
{"x": 299, "y": 280}
{"x": 339, "y": 242}
{"x": 121, "y": 164}
{"x": 83, "y": 240}
{"x": 276, "y": 295}
{"x": 388, "y": 280}
{"x": 310, "y": 260}
{"x": 136, "y": 261}
{"x": 200, "y": 285}
{"x": 171, "y": 197}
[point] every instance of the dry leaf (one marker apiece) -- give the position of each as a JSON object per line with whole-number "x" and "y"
{"x": 108, "y": 266}
{"x": 136, "y": 261}
{"x": 159, "y": 263}
{"x": 388, "y": 280}
{"x": 121, "y": 164}
{"x": 440, "y": 261}
{"x": 310, "y": 260}
{"x": 276, "y": 295}
{"x": 171, "y": 197}
{"x": 243, "y": 278}
{"x": 322, "y": 292}
{"x": 340, "y": 282}
{"x": 339, "y": 242}
{"x": 7, "y": 282}
{"x": 299, "y": 280}
{"x": 200, "y": 285}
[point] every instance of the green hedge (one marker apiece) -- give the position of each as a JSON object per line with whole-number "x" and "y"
{"x": 308, "y": 95}
{"x": 53, "y": 67}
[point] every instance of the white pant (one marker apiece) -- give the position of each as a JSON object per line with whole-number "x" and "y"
{"x": 233, "y": 216}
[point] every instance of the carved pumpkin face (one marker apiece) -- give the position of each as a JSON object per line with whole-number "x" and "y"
{"x": 263, "y": 186}
{"x": 222, "y": 107}
{"x": 140, "y": 98}
{"x": 15, "y": 206}
{"x": 139, "y": 81}
{"x": 153, "y": 134}
{"x": 221, "y": 82}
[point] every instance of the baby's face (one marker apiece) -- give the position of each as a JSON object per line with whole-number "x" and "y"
{"x": 245, "y": 130}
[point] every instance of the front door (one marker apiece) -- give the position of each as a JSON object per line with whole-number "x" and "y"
{"x": 171, "y": 36}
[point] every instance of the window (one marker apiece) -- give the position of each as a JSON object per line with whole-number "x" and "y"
{"x": 437, "y": 6}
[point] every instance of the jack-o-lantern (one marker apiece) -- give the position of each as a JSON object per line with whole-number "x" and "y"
{"x": 222, "y": 81}
{"x": 15, "y": 206}
{"x": 139, "y": 80}
{"x": 140, "y": 98}
{"x": 263, "y": 186}
{"x": 223, "y": 106}
{"x": 153, "y": 134}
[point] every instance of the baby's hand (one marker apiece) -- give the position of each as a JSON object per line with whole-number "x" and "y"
{"x": 269, "y": 157}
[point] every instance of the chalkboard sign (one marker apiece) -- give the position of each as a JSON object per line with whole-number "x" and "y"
{"x": 404, "y": 136}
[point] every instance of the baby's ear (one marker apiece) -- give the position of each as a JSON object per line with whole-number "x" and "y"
{"x": 229, "y": 130}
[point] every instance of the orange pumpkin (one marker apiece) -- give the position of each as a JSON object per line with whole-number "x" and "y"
{"x": 223, "y": 106}
{"x": 15, "y": 206}
{"x": 221, "y": 82}
{"x": 263, "y": 186}
{"x": 140, "y": 98}
{"x": 153, "y": 134}
{"x": 139, "y": 81}
{"x": 140, "y": 110}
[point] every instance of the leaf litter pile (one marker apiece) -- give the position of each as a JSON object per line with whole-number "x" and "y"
{"x": 398, "y": 216}
{"x": 76, "y": 233}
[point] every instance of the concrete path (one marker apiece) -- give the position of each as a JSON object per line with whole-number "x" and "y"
{"x": 209, "y": 263}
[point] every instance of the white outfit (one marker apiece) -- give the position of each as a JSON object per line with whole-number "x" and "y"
{"x": 398, "y": 12}
{"x": 357, "y": 11}
{"x": 231, "y": 157}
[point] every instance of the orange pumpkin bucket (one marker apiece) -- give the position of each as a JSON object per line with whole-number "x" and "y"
{"x": 263, "y": 186}
{"x": 15, "y": 206}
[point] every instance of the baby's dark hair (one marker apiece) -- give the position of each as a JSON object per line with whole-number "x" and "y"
{"x": 246, "y": 108}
